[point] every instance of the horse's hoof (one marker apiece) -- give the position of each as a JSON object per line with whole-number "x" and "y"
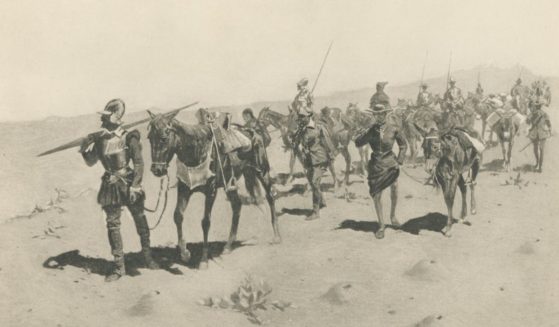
{"x": 203, "y": 265}
{"x": 379, "y": 234}
{"x": 466, "y": 222}
{"x": 276, "y": 240}
{"x": 226, "y": 250}
{"x": 473, "y": 211}
{"x": 447, "y": 231}
{"x": 184, "y": 254}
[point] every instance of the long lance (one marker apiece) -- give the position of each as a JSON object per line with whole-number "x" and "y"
{"x": 423, "y": 69}
{"x": 77, "y": 142}
{"x": 321, "y": 67}
{"x": 448, "y": 72}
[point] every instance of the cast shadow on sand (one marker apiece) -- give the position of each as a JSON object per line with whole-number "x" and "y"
{"x": 494, "y": 165}
{"x": 164, "y": 256}
{"x": 295, "y": 212}
{"x": 432, "y": 221}
{"x": 525, "y": 168}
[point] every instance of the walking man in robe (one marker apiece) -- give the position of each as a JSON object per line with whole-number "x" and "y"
{"x": 383, "y": 167}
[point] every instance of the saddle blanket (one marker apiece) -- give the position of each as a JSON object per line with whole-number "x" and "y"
{"x": 195, "y": 176}
{"x": 495, "y": 116}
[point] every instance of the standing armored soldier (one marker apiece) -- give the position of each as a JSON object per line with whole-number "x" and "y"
{"x": 120, "y": 184}
{"x": 383, "y": 168}
{"x": 540, "y": 130}
{"x": 424, "y": 98}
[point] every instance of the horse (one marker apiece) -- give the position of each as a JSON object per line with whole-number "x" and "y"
{"x": 448, "y": 159}
{"x": 355, "y": 120}
{"x": 506, "y": 129}
{"x": 406, "y": 115}
{"x": 196, "y": 149}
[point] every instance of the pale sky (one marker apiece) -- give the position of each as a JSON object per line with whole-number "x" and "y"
{"x": 70, "y": 57}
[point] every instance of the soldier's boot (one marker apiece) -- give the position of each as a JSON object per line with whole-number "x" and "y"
{"x": 146, "y": 249}
{"x": 116, "y": 248}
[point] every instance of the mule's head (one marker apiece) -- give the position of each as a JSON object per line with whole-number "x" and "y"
{"x": 162, "y": 135}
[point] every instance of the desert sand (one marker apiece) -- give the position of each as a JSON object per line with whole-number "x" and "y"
{"x": 500, "y": 271}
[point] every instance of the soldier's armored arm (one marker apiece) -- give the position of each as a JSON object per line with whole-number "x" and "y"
{"x": 135, "y": 148}
{"x": 89, "y": 151}
{"x": 403, "y": 147}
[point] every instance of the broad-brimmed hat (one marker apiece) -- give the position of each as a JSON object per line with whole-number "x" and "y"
{"x": 452, "y": 80}
{"x": 248, "y": 111}
{"x": 424, "y": 85}
{"x": 114, "y": 107}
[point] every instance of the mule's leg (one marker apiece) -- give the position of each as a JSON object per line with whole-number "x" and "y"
{"x": 266, "y": 182}
{"x": 334, "y": 178}
{"x": 393, "y": 203}
{"x": 211, "y": 192}
{"x": 504, "y": 151}
{"x": 463, "y": 192}
{"x": 509, "y": 154}
{"x": 536, "y": 154}
{"x": 347, "y": 158}
{"x": 540, "y": 162}
{"x": 183, "y": 196}
{"x": 483, "y": 125}
{"x": 449, "y": 190}
{"x": 236, "y": 205}
{"x": 474, "y": 170}
{"x": 377, "y": 199}
{"x": 292, "y": 158}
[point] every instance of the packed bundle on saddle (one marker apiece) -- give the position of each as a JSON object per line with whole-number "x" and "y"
{"x": 229, "y": 137}
{"x": 500, "y": 113}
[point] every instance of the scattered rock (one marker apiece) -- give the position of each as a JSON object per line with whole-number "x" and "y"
{"x": 392, "y": 312}
{"x": 526, "y": 248}
{"x": 429, "y": 321}
{"x": 144, "y": 306}
{"x": 338, "y": 294}
{"x": 427, "y": 270}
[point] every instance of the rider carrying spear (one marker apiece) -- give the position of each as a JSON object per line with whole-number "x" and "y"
{"x": 383, "y": 167}
{"x": 121, "y": 185}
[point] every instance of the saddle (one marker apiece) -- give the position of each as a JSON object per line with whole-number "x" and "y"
{"x": 229, "y": 136}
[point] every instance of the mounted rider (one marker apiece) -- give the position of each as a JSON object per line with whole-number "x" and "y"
{"x": 424, "y": 97}
{"x": 479, "y": 91}
{"x": 453, "y": 96}
{"x": 380, "y": 97}
{"x": 518, "y": 93}
{"x": 121, "y": 185}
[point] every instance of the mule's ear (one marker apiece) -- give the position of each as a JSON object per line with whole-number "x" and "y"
{"x": 172, "y": 115}
{"x": 151, "y": 114}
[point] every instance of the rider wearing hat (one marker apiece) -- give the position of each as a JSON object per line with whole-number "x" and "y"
{"x": 380, "y": 97}
{"x": 383, "y": 168}
{"x": 302, "y": 104}
{"x": 121, "y": 185}
{"x": 453, "y": 96}
{"x": 424, "y": 98}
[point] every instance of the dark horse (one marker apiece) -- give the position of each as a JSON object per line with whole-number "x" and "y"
{"x": 195, "y": 146}
{"x": 506, "y": 129}
{"x": 449, "y": 159}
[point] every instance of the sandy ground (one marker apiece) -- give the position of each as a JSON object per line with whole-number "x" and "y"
{"x": 500, "y": 271}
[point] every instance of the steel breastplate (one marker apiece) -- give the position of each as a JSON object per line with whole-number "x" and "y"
{"x": 114, "y": 153}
